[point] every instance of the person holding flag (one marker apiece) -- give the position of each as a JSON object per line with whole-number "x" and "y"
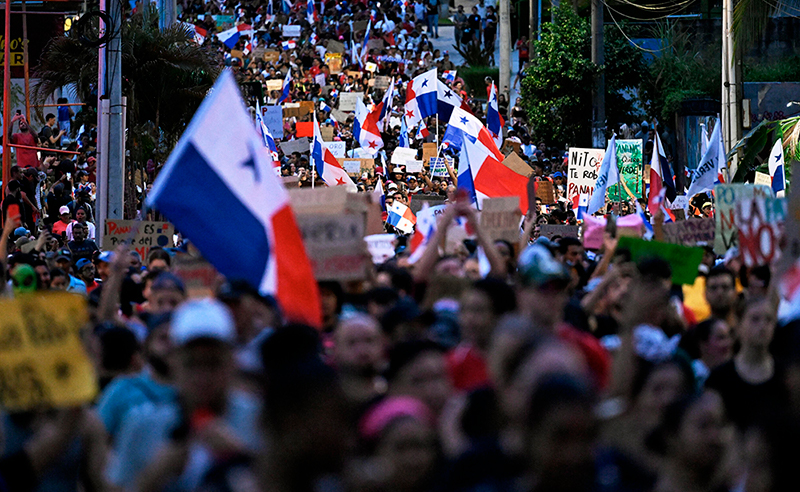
{"x": 326, "y": 165}
{"x": 494, "y": 120}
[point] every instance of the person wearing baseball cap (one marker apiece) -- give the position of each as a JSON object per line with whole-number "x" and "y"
{"x": 208, "y": 417}
{"x": 85, "y": 270}
{"x": 63, "y": 261}
{"x": 60, "y": 226}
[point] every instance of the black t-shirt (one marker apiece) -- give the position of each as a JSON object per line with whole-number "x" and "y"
{"x": 745, "y": 402}
{"x": 474, "y": 22}
{"x": 82, "y": 250}
{"x": 491, "y": 24}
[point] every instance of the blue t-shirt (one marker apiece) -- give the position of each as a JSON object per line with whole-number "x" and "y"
{"x": 127, "y": 392}
{"x": 63, "y": 113}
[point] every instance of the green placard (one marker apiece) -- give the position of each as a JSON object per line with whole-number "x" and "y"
{"x": 682, "y": 259}
{"x": 629, "y": 161}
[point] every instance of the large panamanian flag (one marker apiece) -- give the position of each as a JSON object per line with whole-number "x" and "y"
{"x": 219, "y": 188}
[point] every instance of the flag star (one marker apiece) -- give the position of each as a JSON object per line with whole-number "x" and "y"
{"x": 372, "y": 145}
{"x": 409, "y": 114}
{"x": 424, "y": 82}
{"x": 777, "y": 158}
{"x": 464, "y": 120}
{"x": 251, "y": 162}
{"x": 448, "y": 94}
{"x": 339, "y": 181}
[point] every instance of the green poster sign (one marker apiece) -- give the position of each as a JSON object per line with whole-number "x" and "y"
{"x": 683, "y": 260}
{"x": 631, "y": 168}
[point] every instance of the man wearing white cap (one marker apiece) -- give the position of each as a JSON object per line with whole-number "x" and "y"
{"x": 60, "y": 226}
{"x": 175, "y": 445}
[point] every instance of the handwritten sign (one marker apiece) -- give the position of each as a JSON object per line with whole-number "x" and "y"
{"x": 273, "y": 119}
{"x": 292, "y": 31}
{"x": 438, "y": 168}
{"x": 726, "y": 234}
{"x": 582, "y": 168}
{"x": 762, "y": 179}
{"x": 380, "y": 247}
{"x": 274, "y": 85}
{"x": 357, "y": 165}
{"x": 42, "y": 359}
{"x": 141, "y": 235}
{"x": 382, "y": 82}
{"x": 500, "y": 218}
{"x": 413, "y": 166}
{"x": 629, "y": 161}
{"x": 690, "y": 232}
{"x": 429, "y": 150}
{"x": 760, "y": 221}
{"x": 403, "y": 154}
{"x": 334, "y": 62}
{"x": 335, "y": 245}
{"x": 326, "y": 132}
{"x": 347, "y": 100}
{"x": 336, "y": 148}
{"x": 545, "y": 192}
{"x": 271, "y": 56}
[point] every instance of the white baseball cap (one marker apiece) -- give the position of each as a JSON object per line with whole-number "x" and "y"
{"x": 63, "y": 210}
{"x": 202, "y": 318}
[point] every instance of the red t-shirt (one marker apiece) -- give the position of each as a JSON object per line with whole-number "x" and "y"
{"x": 59, "y": 227}
{"x": 467, "y": 368}
{"x": 25, "y": 157}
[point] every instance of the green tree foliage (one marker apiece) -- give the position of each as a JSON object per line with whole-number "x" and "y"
{"x": 557, "y": 88}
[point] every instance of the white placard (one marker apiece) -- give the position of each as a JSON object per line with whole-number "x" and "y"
{"x": 347, "y": 100}
{"x": 352, "y": 167}
{"x": 403, "y": 154}
{"x": 380, "y": 246}
{"x": 291, "y": 31}
{"x": 413, "y": 166}
{"x": 336, "y": 148}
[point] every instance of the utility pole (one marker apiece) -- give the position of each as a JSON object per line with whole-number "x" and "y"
{"x": 533, "y": 21}
{"x": 505, "y": 46}
{"x": 599, "y": 93}
{"x": 731, "y": 76}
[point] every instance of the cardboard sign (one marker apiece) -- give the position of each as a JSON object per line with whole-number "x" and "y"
{"x": 418, "y": 201}
{"x": 500, "y": 218}
{"x": 332, "y": 226}
{"x": 359, "y": 26}
{"x": 292, "y": 31}
{"x": 274, "y": 85}
{"x": 237, "y": 54}
{"x": 413, "y": 166}
{"x": 554, "y": 230}
{"x": 334, "y": 62}
{"x": 199, "y": 276}
{"x": 382, "y": 82}
{"x": 726, "y": 234}
{"x": 380, "y": 247}
{"x": 514, "y": 162}
{"x": 403, "y": 154}
{"x": 334, "y": 47}
{"x": 429, "y": 150}
{"x": 683, "y": 260}
{"x": 763, "y": 179}
{"x": 338, "y": 115}
{"x": 298, "y": 110}
{"x": 319, "y": 79}
{"x": 141, "y": 235}
{"x": 325, "y": 131}
{"x": 690, "y": 232}
{"x": 273, "y": 119}
{"x": 582, "y": 170}
{"x": 336, "y": 148}
{"x": 357, "y": 165}
{"x": 629, "y": 161}
{"x": 298, "y": 145}
{"x": 545, "y": 192}
{"x": 351, "y": 166}
{"x": 271, "y": 56}
{"x": 760, "y": 221}
{"x": 510, "y": 146}
{"x": 347, "y": 100}
{"x": 438, "y": 168}
{"x": 42, "y": 360}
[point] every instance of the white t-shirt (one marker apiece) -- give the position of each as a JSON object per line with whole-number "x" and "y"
{"x": 89, "y": 226}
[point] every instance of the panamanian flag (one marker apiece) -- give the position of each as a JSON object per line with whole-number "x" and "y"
{"x": 219, "y": 188}
{"x": 230, "y": 37}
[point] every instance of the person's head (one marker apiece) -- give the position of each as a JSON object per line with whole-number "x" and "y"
{"x": 332, "y": 297}
{"x": 571, "y": 250}
{"x": 78, "y": 232}
{"x": 103, "y": 264}
{"x": 84, "y": 268}
{"x": 59, "y": 279}
{"x": 166, "y": 293}
{"x": 542, "y": 293}
{"x": 481, "y": 307}
{"x": 400, "y": 431}
{"x": 721, "y": 290}
{"x": 80, "y": 215}
{"x": 50, "y": 119}
{"x": 715, "y": 341}
{"x": 24, "y": 279}
{"x": 561, "y": 434}
{"x": 657, "y": 384}
{"x": 64, "y": 214}
{"x": 691, "y": 433}
{"x": 460, "y": 9}
{"x": 757, "y": 323}
{"x": 358, "y": 346}
{"x": 158, "y": 259}
{"x": 203, "y": 335}
{"x": 119, "y": 350}
{"x": 419, "y": 369}
{"x": 43, "y": 274}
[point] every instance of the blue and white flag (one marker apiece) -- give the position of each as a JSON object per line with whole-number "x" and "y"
{"x": 219, "y": 189}
{"x": 777, "y": 169}
{"x": 609, "y": 176}
{"x": 287, "y": 87}
{"x": 705, "y": 176}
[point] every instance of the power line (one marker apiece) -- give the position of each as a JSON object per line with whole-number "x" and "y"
{"x": 631, "y": 40}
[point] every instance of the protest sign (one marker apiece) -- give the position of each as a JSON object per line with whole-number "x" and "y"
{"x": 42, "y": 360}
{"x": 429, "y": 150}
{"x": 413, "y": 166}
{"x": 375, "y": 44}
{"x": 199, "y": 277}
{"x": 351, "y": 166}
{"x": 359, "y": 26}
{"x": 403, "y": 154}
{"x": 357, "y": 165}
{"x": 336, "y": 148}
{"x": 500, "y": 218}
{"x": 760, "y": 221}
{"x": 305, "y": 129}
{"x": 438, "y": 168}
{"x": 347, "y": 100}
{"x": 592, "y": 233}
{"x": 141, "y": 235}
{"x": 274, "y": 85}
{"x": 291, "y": 31}
{"x": 690, "y": 232}
{"x": 553, "y": 230}
{"x": 417, "y": 202}
{"x": 382, "y": 82}
{"x": 271, "y": 56}
{"x": 338, "y": 115}
{"x": 545, "y": 192}
{"x": 510, "y": 146}
{"x": 332, "y": 226}
{"x": 325, "y": 131}
{"x": 319, "y": 79}
{"x": 334, "y": 62}
{"x": 237, "y": 54}
{"x": 223, "y": 20}
{"x": 297, "y": 145}
{"x": 334, "y": 47}
{"x": 763, "y": 179}
{"x": 514, "y": 162}
{"x": 380, "y": 247}
{"x": 582, "y": 168}
{"x": 273, "y": 119}
{"x": 371, "y": 67}
{"x": 629, "y": 161}
{"x": 683, "y": 260}
{"x": 726, "y": 235}
{"x": 298, "y": 110}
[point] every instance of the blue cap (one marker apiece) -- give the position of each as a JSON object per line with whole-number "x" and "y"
{"x": 82, "y": 263}
{"x": 20, "y": 231}
{"x": 106, "y": 257}
{"x": 558, "y": 174}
